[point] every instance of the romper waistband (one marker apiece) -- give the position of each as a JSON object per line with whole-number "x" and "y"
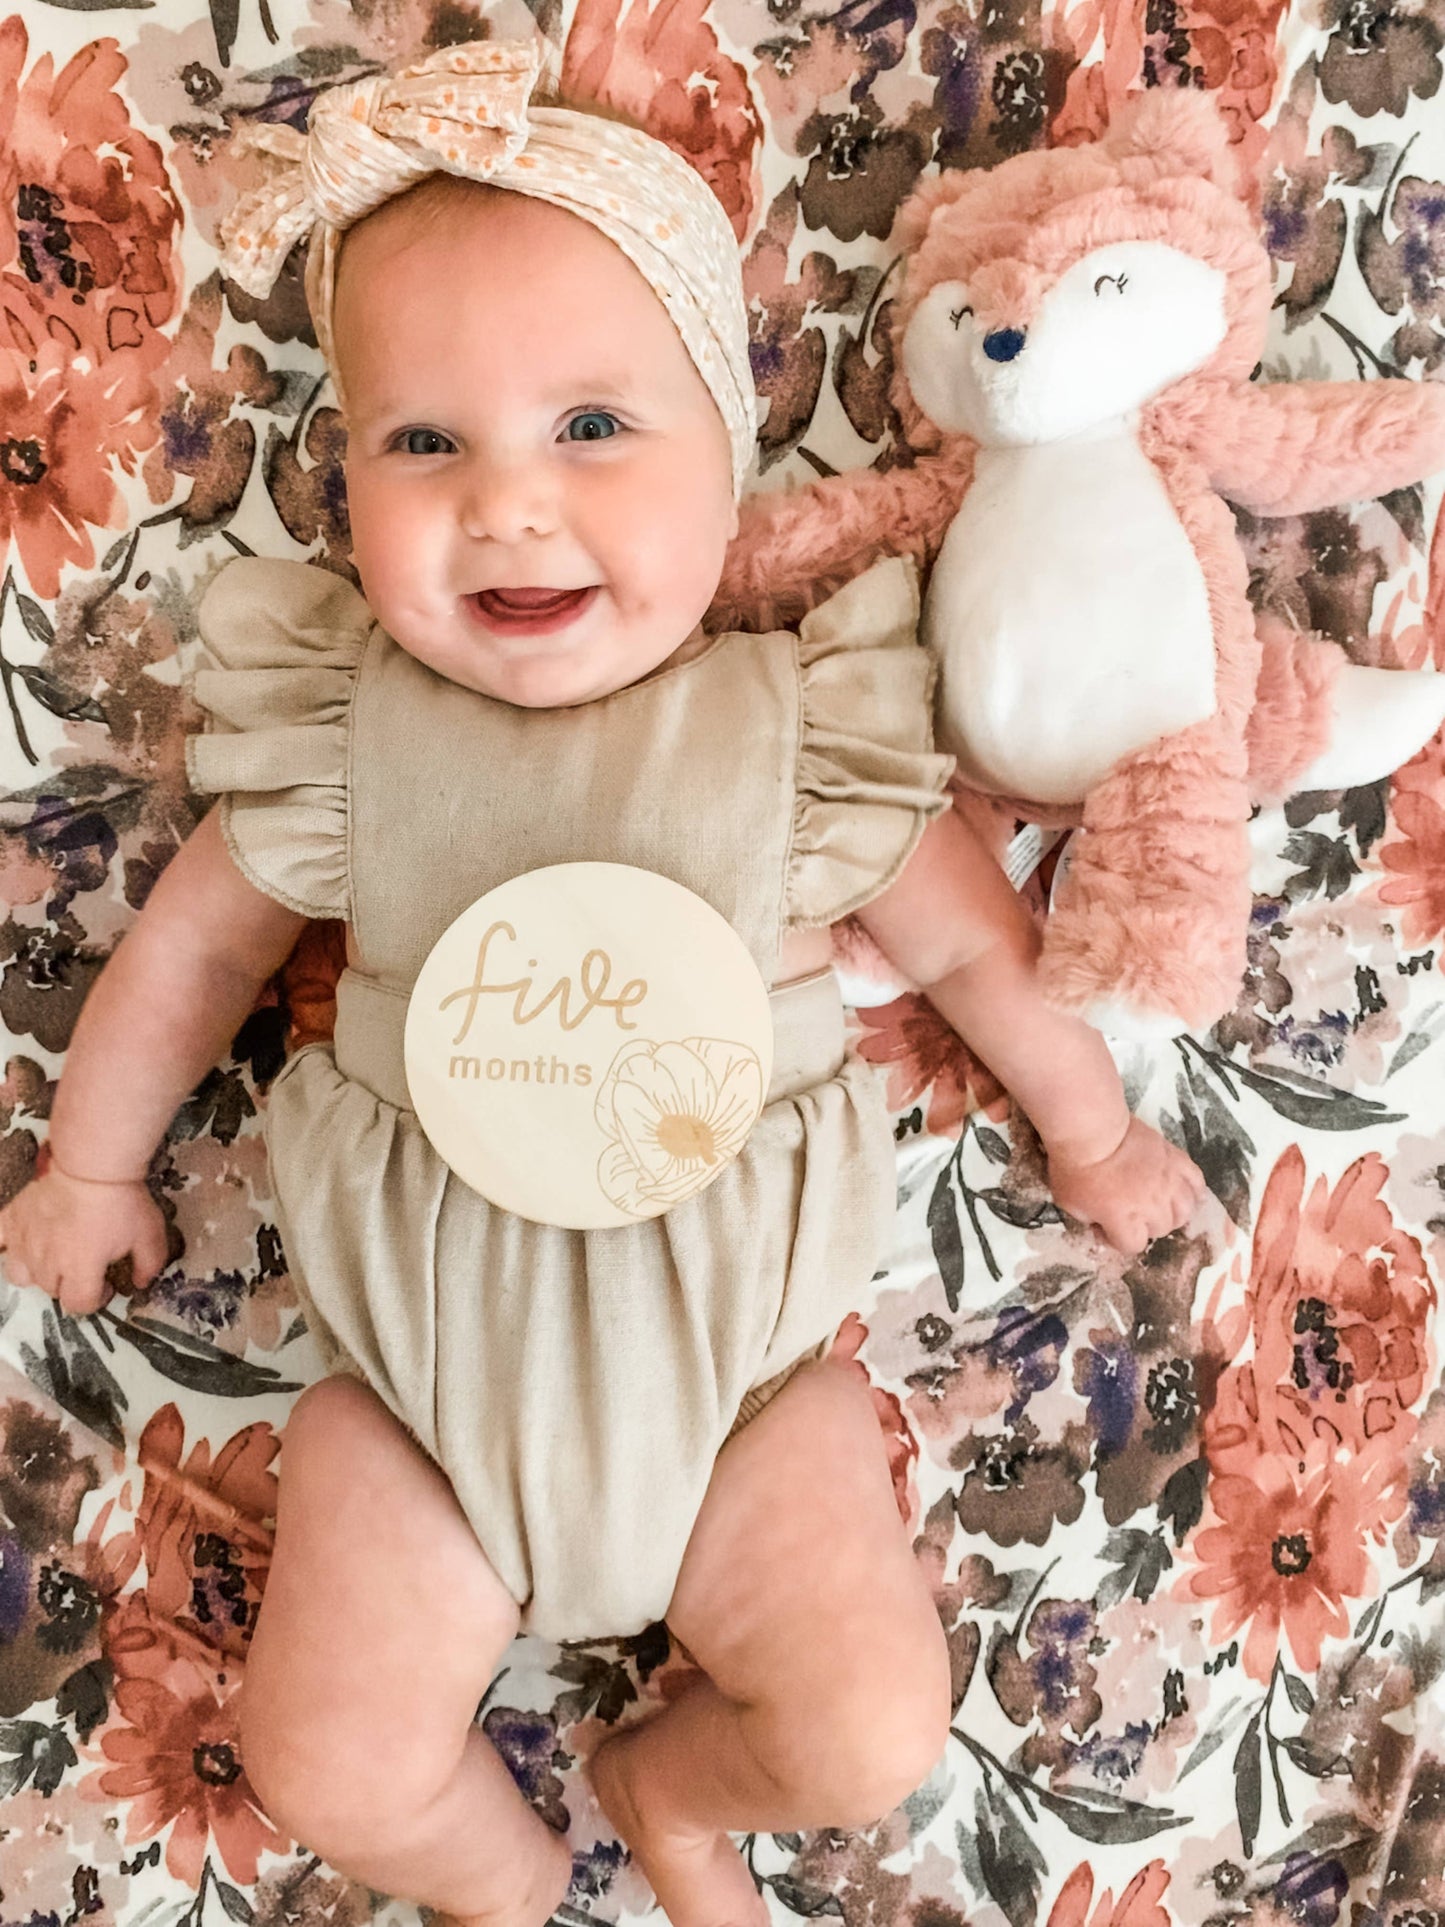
{"x": 808, "y": 1035}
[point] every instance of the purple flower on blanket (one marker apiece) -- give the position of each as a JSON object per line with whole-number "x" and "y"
{"x": 527, "y": 1741}
{"x": 1407, "y": 272}
{"x": 1304, "y": 223}
{"x": 310, "y": 497}
{"x": 787, "y": 349}
{"x": 1050, "y": 1684}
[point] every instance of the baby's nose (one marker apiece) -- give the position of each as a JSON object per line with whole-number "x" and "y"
{"x": 508, "y": 501}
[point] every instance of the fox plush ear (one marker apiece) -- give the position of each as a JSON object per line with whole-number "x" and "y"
{"x": 1182, "y": 131}
{"x": 936, "y": 191}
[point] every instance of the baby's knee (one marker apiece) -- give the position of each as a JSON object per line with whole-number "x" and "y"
{"x": 896, "y": 1753}
{"x": 883, "y": 1733}
{"x": 321, "y": 1790}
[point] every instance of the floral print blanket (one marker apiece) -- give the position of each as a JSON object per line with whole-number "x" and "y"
{"x": 1186, "y": 1516}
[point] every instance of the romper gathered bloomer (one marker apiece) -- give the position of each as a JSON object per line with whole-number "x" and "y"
{"x": 575, "y": 1387}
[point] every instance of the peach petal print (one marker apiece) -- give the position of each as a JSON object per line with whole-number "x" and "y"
{"x": 663, "y": 66}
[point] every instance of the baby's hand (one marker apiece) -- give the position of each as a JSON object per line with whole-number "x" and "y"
{"x": 61, "y": 1233}
{"x": 1142, "y": 1189}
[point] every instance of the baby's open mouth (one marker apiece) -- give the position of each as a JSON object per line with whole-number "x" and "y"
{"x": 529, "y": 612}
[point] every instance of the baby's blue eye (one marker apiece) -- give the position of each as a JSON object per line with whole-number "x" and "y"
{"x": 593, "y": 426}
{"x": 424, "y": 441}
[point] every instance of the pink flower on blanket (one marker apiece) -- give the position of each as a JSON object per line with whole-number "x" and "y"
{"x": 203, "y": 1521}
{"x": 662, "y": 66}
{"x": 87, "y": 280}
{"x": 1138, "y": 1904}
{"x": 1307, "y": 1436}
{"x": 177, "y": 1760}
{"x": 1415, "y": 853}
{"x": 925, "y": 1056}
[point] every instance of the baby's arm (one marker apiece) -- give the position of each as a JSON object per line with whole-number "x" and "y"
{"x": 954, "y": 924}
{"x": 165, "y": 1007}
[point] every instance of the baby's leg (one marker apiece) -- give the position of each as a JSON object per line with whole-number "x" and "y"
{"x": 827, "y": 1696}
{"x": 381, "y": 1627}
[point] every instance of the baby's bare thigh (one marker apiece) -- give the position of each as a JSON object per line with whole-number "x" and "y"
{"x": 375, "y": 1567}
{"x": 799, "y": 1585}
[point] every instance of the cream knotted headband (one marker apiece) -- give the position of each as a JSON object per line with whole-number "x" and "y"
{"x": 466, "y": 111}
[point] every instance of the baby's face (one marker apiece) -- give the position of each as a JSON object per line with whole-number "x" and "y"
{"x": 539, "y": 481}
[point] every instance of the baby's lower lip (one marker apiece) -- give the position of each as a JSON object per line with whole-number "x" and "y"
{"x": 529, "y": 612}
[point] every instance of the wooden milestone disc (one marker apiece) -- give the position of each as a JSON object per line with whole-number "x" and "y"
{"x": 588, "y": 1044}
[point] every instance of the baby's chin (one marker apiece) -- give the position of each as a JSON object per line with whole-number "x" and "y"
{"x": 546, "y": 672}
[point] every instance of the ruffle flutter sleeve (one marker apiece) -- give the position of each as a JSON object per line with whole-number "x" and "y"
{"x": 869, "y": 778}
{"x": 281, "y": 645}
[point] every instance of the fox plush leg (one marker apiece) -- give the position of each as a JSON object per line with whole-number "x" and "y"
{"x": 1147, "y": 935}
{"x": 1321, "y": 722}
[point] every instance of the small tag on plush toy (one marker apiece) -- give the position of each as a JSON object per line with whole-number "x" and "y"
{"x": 1027, "y": 851}
{"x": 588, "y": 1045}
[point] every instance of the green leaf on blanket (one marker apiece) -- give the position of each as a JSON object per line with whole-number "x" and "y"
{"x": 1407, "y": 506}
{"x": 237, "y": 1906}
{"x": 1008, "y": 1858}
{"x": 1023, "y": 1213}
{"x": 225, "y": 18}
{"x": 1106, "y": 1819}
{"x": 1218, "y": 1143}
{"x": 219, "y": 1104}
{"x": 808, "y": 1902}
{"x": 75, "y": 1376}
{"x": 85, "y": 1696}
{"x": 1142, "y": 1558}
{"x": 603, "y": 1685}
{"x": 1363, "y": 811}
{"x": 946, "y": 1236}
{"x": 1320, "y": 1762}
{"x": 41, "y": 1753}
{"x": 100, "y": 6}
{"x": 1299, "y": 1695}
{"x": 1248, "y": 1792}
{"x": 1328, "y": 866}
{"x": 1300, "y": 1099}
{"x": 1181, "y": 1503}
{"x": 60, "y": 701}
{"x": 195, "y": 1362}
{"x": 37, "y": 624}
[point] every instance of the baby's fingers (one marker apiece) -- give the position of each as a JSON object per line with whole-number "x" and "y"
{"x": 148, "y": 1255}
{"x": 83, "y": 1294}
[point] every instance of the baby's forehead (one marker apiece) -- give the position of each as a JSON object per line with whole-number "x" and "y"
{"x": 447, "y": 268}
{"x": 448, "y": 216}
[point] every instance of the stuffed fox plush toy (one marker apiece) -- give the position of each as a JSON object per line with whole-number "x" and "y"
{"x": 1074, "y": 345}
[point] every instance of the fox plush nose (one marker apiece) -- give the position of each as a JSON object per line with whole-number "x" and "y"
{"x": 1004, "y": 344}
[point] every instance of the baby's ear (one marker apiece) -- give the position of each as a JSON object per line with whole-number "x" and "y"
{"x": 1182, "y": 132}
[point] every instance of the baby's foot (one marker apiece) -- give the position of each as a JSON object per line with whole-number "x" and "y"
{"x": 698, "y": 1876}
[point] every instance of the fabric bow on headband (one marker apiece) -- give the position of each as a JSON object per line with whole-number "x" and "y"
{"x": 467, "y": 111}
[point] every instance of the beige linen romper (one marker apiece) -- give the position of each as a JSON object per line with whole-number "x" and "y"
{"x": 575, "y": 1387}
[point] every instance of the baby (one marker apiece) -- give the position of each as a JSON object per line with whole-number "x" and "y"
{"x": 535, "y": 320}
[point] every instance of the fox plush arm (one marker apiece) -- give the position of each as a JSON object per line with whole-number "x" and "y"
{"x": 1289, "y": 447}
{"x": 795, "y": 547}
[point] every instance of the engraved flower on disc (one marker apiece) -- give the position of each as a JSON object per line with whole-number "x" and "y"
{"x": 674, "y": 1114}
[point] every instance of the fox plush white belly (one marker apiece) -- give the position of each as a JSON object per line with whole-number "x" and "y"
{"x": 1074, "y": 345}
{"x": 1066, "y": 571}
